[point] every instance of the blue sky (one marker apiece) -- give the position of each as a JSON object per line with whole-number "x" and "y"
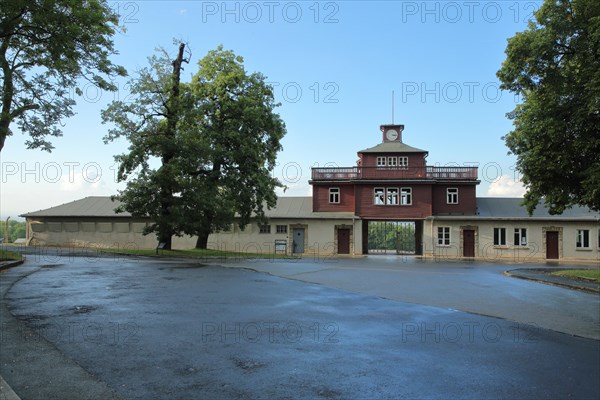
{"x": 334, "y": 65}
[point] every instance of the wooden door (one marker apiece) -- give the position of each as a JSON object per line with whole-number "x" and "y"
{"x": 343, "y": 241}
{"x": 468, "y": 243}
{"x": 552, "y": 245}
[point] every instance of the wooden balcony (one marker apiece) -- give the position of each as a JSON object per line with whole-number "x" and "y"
{"x": 395, "y": 173}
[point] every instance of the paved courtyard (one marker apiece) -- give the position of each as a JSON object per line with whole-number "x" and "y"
{"x": 377, "y": 327}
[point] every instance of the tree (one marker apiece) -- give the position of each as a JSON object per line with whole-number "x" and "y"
{"x": 46, "y": 46}
{"x": 152, "y": 123}
{"x": 236, "y": 150}
{"x": 16, "y": 230}
{"x": 222, "y": 147}
{"x": 554, "y": 65}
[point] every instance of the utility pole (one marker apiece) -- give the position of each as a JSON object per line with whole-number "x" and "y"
{"x": 6, "y": 231}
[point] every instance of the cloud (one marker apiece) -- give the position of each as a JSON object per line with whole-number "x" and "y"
{"x": 295, "y": 189}
{"x": 85, "y": 185}
{"x": 505, "y": 186}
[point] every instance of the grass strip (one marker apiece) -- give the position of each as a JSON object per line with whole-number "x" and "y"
{"x": 586, "y": 274}
{"x": 6, "y": 255}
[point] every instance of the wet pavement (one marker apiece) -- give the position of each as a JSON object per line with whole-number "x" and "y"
{"x": 141, "y": 328}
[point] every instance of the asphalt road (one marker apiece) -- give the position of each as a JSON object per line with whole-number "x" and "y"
{"x": 139, "y": 329}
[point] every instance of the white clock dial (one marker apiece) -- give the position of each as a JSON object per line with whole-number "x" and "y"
{"x": 392, "y": 134}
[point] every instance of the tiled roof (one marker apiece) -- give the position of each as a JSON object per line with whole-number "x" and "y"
{"x": 103, "y": 206}
{"x": 392, "y": 147}
{"x": 301, "y": 207}
{"x": 93, "y": 206}
{"x": 498, "y": 207}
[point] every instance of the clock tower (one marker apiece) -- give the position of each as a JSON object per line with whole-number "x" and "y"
{"x": 392, "y": 133}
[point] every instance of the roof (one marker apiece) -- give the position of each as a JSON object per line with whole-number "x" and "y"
{"x": 499, "y": 207}
{"x": 301, "y": 208}
{"x": 392, "y": 147}
{"x": 511, "y": 209}
{"x": 93, "y": 206}
{"x": 103, "y": 206}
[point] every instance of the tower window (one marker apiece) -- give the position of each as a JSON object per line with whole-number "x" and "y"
{"x": 406, "y": 196}
{"x": 392, "y": 197}
{"x": 334, "y": 195}
{"x": 379, "y": 198}
{"x": 403, "y": 162}
{"x": 452, "y": 196}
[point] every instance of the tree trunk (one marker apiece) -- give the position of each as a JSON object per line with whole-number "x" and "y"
{"x": 202, "y": 241}
{"x": 166, "y": 195}
{"x": 167, "y": 240}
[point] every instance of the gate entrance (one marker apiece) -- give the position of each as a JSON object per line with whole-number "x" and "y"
{"x": 392, "y": 237}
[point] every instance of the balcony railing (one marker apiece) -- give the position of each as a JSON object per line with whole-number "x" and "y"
{"x": 427, "y": 172}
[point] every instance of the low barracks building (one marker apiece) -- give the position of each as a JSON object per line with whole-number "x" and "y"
{"x": 390, "y": 202}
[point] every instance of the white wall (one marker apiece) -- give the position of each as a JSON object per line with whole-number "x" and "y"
{"x": 125, "y": 233}
{"x": 319, "y": 237}
{"x": 535, "y": 249}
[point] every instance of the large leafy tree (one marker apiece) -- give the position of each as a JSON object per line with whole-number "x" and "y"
{"x": 152, "y": 122}
{"x": 46, "y": 46}
{"x": 554, "y": 66}
{"x": 221, "y": 142}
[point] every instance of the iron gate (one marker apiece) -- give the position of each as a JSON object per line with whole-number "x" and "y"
{"x": 391, "y": 237}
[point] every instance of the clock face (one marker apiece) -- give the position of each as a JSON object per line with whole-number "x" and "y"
{"x": 392, "y": 134}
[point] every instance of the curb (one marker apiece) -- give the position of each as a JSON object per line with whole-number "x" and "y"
{"x": 6, "y": 393}
{"x": 565, "y": 283}
{"x": 10, "y": 264}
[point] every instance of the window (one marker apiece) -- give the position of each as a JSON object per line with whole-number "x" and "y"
{"x": 499, "y": 236}
{"x": 334, "y": 195}
{"x": 264, "y": 229}
{"x": 443, "y": 236}
{"x": 406, "y": 196}
{"x": 452, "y": 196}
{"x": 520, "y": 237}
{"x": 379, "y": 197}
{"x": 583, "y": 238}
{"x": 392, "y": 161}
{"x": 403, "y": 162}
{"x": 392, "y": 197}
{"x": 381, "y": 161}
{"x": 281, "y": 229}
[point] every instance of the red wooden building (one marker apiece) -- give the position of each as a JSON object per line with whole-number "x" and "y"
{"x": 392, "y": 182}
